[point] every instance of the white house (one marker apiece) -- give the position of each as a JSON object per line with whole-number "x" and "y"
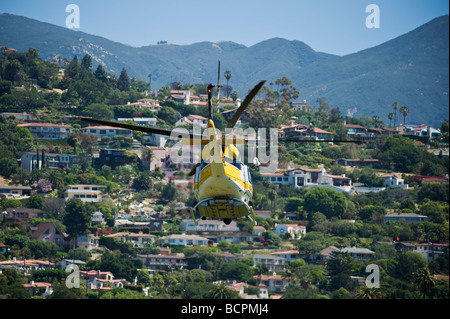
{"x": 184, "y": 240}
{"x": 137, "y": 239}
{"x": 393, "y": 181}
{"x": 294, "y": 230}
{"x": 87, "y": 193}
{"x": 308, "y": 177}
{"x": 207, "y": 225}
{"x": 272, "y": 262}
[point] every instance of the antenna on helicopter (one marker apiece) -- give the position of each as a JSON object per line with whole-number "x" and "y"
{"x": 218, "y": 83}
{"x": 210, "y": 87}
{"x": 210, "y": 110}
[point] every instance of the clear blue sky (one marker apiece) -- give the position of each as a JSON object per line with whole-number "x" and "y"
{"x": 331, "y": 26}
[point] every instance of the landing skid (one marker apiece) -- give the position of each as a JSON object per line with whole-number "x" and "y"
{"x": 223, "y": 209}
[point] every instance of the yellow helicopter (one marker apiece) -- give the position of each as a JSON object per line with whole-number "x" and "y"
{"x": 222, "y": 182}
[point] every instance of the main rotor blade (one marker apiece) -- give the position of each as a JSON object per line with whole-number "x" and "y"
{"x": 153, "y": 130}
{"x": 244, "y": 104}
{"x": 318, "y": 141}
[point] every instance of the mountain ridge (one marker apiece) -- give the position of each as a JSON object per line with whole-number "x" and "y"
{"x": 411, "y": 69}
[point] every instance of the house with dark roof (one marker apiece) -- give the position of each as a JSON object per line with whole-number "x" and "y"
{"x": 49, "y": 232}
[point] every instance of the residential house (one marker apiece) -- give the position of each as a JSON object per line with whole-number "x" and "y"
{"x": 66, "y": 262}
{"x": 19, "y": 116}
{"x": 22, "y": 214}
{"x": 87, "y": 193}
{"x": 10, "y": 191}
{"x": 359, "y": 162}
{"x": 26, "y": 266}
{"x": 184, "y": 96}
{"x": 88, "y": 242}
{"x": 193, "y": 119}
{"x": 429, "y": 251}
{"x": 158, "y": 159}
{"x": 139, "y": 120}
{"x": 152, "y": 104}
{"x": 38, "y": 288}
{"x": 258, "y": 230}
{"x": 184, "y": 240}
{"x": 97, "y": 219}
{"x": 163, "y": 261}
{"x": 324, "y": 254}
{"x": 263, "y": 291}
{"x": 234, "y": 237}
{"x": 359, "y": 253}
{"x": 272, "y": 262}
{"x": 298, "y": 105}
{"x": 288, "y": 255}
{"x": 137, "y": 239}
{"x": 293, "y": 230}
{"x": 302, "y": 131}
{"x": 110, "y": 131}
{"x": 152, "y": 225}
{"x": 48, "y": 232}
{"x": 208, "y": 225}
{"x": 410, "y": 218}
{"x": 29, "y": 160}
{"x": 393, "y": 181}
{"x": 100, "y": 280}
{"x": 274, "y": 282}
{"x": 299, "y": 177}
{"x": 263, "y": 213}
{"x": 48, "y": 131}
{"x": 112, "y": 157}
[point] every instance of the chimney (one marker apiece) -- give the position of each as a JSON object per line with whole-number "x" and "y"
{"x": 187, "y": 97}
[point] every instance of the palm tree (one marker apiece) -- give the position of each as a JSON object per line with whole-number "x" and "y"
{"x": 222, "y": 292}
{"x": 424, "y": 280}
{"x": 228, "y": 77}
{"x": 390, "y": 117}
{"x": 404, "y": 111}
{"x": 368, "y": 293}
{"x": 395, "y": 105}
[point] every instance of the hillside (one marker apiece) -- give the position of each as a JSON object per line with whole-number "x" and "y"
{"x": 411, "y": 69}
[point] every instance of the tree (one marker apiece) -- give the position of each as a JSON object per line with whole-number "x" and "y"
{"x": 86, "y": 62}
{"x": 395, "y": 106}
{"x": 339, "y": 269}
{"x": 77, "y": 217}
{"x": 124, "y": 81}
{"x": 390, "y": 117}
{"x": 407, "y": 264}
{"x": 423, "y": 278}
{"x": 327, "y": 201}
{"x": 223, "y": 292}
{"x": 100, "y": 74}
{"x": 169, "y": 192}
{"x": 99, "y": 111}
{"x": 404, "y": 110}
{"x": 73, "y": 69}
{"x": 228, "y": 77}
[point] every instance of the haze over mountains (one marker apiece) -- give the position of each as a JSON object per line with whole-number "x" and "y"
{"x": 412, "y": 69}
